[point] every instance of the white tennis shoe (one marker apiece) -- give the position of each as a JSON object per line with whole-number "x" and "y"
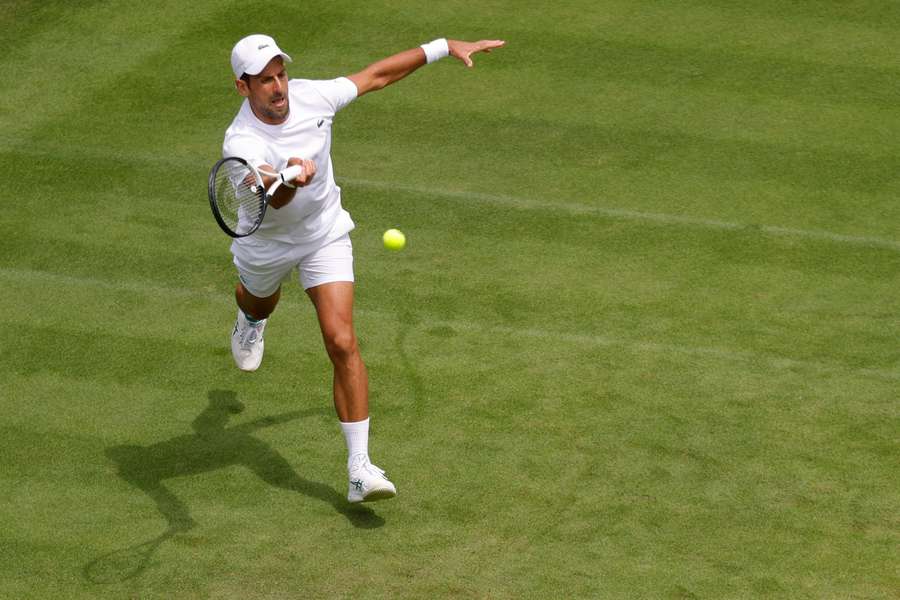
{"x": 247, "y": 343}
{"x": 367, "y": 482}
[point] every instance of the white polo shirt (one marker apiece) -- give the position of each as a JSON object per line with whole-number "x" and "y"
{"x": 315, "y": 212}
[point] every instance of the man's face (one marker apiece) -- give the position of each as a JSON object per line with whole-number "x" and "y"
{"x": 268, "y": 92}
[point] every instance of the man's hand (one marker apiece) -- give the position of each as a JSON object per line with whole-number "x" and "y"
{"x": 464, "y": 50}
{"x": 309, "y": 170}
{"x": 285, "y": 194}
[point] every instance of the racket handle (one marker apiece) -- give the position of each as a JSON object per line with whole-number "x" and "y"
{"x": 285, "y": 176}
{"x": 291, "y": 173}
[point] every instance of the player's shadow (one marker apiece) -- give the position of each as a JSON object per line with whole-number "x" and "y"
{"x": 212, "y": 446}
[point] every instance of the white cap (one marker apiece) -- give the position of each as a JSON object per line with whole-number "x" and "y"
{"x": 253, "y": 53}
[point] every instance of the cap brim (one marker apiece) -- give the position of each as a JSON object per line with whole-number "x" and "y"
{"x": 263, "y": 59}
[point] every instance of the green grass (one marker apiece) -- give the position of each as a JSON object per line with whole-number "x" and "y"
{"x": 642, "y": 343}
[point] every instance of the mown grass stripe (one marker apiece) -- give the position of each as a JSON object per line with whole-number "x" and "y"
{"x": 708, "y": 352}
{"x": 575, "y": 208}
{"x": 507, "y": 201}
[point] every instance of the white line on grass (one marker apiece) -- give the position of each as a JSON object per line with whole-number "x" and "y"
{"x": 574, "y": 208}
{"x": 225, "y": 298}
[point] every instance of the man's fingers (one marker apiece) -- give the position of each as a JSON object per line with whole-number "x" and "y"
{"x": 482, "y": 46}
{"x": 309, "y": 169}
{"x": 488, "y": 45}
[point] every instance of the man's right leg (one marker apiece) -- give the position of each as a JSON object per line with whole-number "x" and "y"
{"x": 258, "y": 309}
{"x": 247, "y": 343}
{"x": 262, "y": 266}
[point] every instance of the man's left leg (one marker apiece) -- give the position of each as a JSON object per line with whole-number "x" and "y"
{"x": 334, "y": 308}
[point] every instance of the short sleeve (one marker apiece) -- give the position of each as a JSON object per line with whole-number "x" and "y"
{"x": 245, "y": 146}
{"x": 338, "y": 93}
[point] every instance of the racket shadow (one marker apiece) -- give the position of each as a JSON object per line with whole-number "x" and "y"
{"x": 125, "y": 563}
{"x": 212, "y": 446}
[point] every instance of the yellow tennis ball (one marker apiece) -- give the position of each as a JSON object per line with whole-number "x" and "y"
{"x": 394, "y": 239}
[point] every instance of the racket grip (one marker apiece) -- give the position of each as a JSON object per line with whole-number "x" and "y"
{"x": 291, "y": 173}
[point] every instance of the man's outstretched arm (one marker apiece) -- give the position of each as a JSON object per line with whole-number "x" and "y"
{"x": 394, "y": 68}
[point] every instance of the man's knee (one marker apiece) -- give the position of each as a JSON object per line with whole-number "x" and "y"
{"x": 341, "y": 345}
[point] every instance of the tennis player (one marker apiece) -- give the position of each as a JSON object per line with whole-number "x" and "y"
{"x": 282, "y": 123}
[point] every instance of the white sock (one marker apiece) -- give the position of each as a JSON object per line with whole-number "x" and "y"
{"x": 357, "y": 436}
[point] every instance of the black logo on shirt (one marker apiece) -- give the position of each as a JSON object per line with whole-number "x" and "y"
{"x": 319, "y": 124}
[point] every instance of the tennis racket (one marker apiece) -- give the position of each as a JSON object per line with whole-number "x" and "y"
{"x": 237, "y": 196}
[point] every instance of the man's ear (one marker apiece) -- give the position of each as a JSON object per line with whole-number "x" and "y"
{"x": 242, "y": 87}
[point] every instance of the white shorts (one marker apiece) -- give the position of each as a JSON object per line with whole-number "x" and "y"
{"x": 264, "y": 264}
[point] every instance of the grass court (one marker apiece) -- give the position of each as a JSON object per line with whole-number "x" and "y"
{"x": 642, "y": 343}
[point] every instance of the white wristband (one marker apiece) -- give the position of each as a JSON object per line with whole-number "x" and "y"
{"x": 435, "y": 50}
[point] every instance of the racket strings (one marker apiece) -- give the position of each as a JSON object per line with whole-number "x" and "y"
{"x": 238, "y": 197}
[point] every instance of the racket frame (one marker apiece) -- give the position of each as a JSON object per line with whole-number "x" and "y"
{"x": 280, "y": 178}
{"x": 264, "y": 198}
